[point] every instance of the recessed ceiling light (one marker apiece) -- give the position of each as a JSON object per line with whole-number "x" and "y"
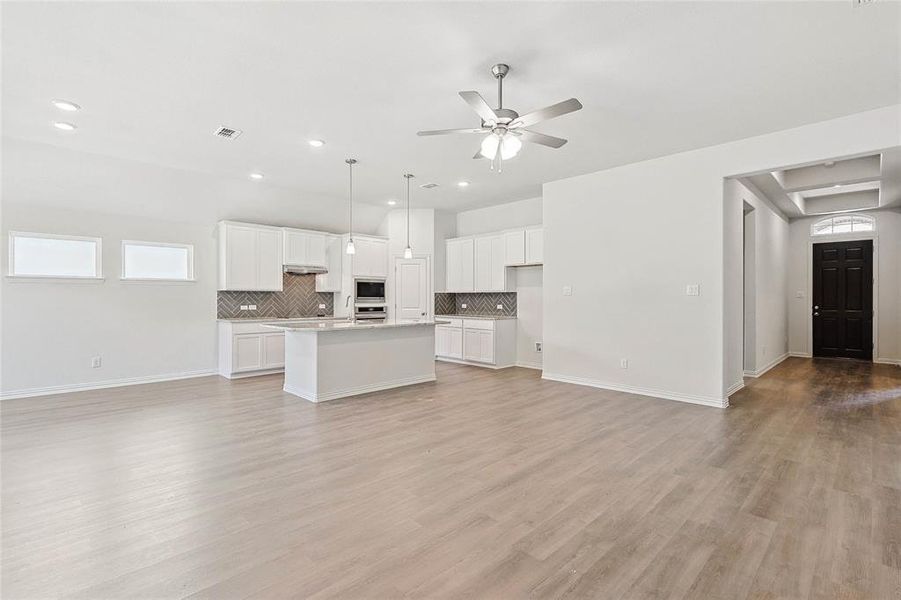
{"x": 392, "y": 202}
{"x": 316, "y": 143}
{"x": 256, "y": 176}
{"x": 462, "y": 184}
{"x": 837, "y": 185}
{"x": 66, "y": 105}
{"x": 65, "y": 126}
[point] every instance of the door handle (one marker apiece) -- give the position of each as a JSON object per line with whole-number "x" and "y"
{"x": 816, "y": 307}
{"x": 816, "y": 314}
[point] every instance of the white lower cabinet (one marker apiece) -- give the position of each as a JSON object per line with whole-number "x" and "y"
{"x": 247, "y": 349}
{"x": 485, "y": 342}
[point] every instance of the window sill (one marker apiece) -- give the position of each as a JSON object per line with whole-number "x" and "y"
{"x": 52, "y": 279}
{"x": 151, "y": 280}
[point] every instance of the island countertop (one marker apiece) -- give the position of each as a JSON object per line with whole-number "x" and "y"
{"x": 328, "y": 326}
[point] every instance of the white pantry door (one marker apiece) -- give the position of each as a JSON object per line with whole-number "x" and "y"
{"x": 411, "y": 288}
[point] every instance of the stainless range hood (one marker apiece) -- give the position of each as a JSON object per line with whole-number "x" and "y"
{"x": 305, "y": 269}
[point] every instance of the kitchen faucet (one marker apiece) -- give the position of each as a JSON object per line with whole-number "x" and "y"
{"x": 346, "y": 302}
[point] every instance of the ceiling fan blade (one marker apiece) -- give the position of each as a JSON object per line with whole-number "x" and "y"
{"x": 540, "y": 138}
{"x": 478, "y": 104}
{"x": 447, "y": 131}
{"x": 548, "y": 112}
{"x": 478, "y": 155}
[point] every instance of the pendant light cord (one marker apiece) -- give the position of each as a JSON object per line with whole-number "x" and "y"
{"x": 408, "y": 211}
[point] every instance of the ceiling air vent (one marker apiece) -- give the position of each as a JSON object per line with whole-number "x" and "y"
{"x": 428, "y": 186}
{"x": 228, "y": 133}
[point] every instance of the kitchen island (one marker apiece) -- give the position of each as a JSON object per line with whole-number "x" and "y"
{"x": 329, "y": 360}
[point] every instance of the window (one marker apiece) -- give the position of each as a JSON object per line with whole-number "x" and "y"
{"x": 152, "y": 260}
{"x": 47, "y": 255}
{"x": 843, "y": 224}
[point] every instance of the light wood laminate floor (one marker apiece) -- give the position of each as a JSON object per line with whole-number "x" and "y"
{"x": 486, "y": 484}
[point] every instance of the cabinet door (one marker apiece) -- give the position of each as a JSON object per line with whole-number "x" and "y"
{"x": 515, "y": 247}
{"x": 453, "y": 265}
{"x": 295, "y": 248}
{"x": 316, "y": 250}
{"x": 534, "y": 246}
{"x": 240, "y": 258}
{"x": 441, "y": 339}
{"x": 498, "y": 264}
{"x": 334, "y": 252}
{"x": 247, "y": 352}
{"x": 455, "y": 343}
{"x": 378, "y": 258}
{"x": 363, "y": 260}
{"x": 273, "y": 350}
{"x": 483, "y": 265}
{"x": 269, "y": 260}
{"x": 486, "y": 346}
{"x": 472, "y": 348}
{"x": 467, "y": 265}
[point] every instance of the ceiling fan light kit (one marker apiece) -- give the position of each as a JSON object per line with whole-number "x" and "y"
{"x": 506, "y": 128}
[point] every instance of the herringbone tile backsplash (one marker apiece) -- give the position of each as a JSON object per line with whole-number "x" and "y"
{"x": 299, "y": 299}
{"x": 477, "y": 304}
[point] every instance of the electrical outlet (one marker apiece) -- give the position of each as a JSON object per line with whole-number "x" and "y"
{"x": 537, "y": 346}
{"x": 624, "y": 363}
{"x": 500, "y": 307}
{"x": 567, "y": 290}
{"x": 252, "y": 307}
{"x": 95, "y": 362}
{"x": 693, "y": 290}
{"x": 322, "y": 306}
{"x": 243, "y": 307}
{"x": 463, "y": 305}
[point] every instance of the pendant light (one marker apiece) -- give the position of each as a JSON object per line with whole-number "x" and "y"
{"x": 408, "y": 251}
{"x": 350, "y": 249}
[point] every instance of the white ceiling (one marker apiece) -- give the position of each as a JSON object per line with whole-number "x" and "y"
{"x": 155, "y": 80}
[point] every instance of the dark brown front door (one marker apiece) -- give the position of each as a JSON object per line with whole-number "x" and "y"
{"x": 843, "y": 299}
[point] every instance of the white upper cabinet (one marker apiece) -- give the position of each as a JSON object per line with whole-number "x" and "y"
{"x": 534, "y": 246}
{"x": 305, "y": 248}
{"x": 460, "y": 265}
{"x": 334, "y": 253}
{"x": 515, "y": 247}
{"x": 490, "y": 264}
{"x": 370, "y": 258}
{"x": 250, "y": 257}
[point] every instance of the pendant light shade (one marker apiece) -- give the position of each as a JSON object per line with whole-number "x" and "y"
{"x": 350, "y": 248}
{"x": 408, "y": 251}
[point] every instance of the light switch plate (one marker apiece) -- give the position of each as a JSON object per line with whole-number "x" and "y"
{"x": 693, "y": 290}
{"x": 322, "y": 306}
{"x": 500, "y": 307}
{"x": 243, "y": 307}
{"x": 567, "y": 290}
{"x": 252, "y": 307}
{"x": 799, "y": 294}
{"x": 463, "y": 305}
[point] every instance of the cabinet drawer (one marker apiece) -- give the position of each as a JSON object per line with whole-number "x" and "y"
{"x": 455, "y": 323}
{"x": 485, "y": 324}
{"x": 239, "y": 328}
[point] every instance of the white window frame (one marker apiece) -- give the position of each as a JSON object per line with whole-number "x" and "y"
{"x": 831, "y": 219}
{"x": 11, "y": 265}
{"x": 190, "y": 270}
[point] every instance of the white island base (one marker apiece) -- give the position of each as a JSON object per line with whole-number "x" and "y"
{"x": 335, "y": 361}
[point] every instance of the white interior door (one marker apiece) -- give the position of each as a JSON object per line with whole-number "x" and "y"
{"x": 411, "y": 288}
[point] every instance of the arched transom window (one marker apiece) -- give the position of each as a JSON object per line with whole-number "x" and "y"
{"x": 843, "y": 224}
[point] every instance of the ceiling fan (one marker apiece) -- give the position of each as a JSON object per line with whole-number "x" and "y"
{"x": 505, "y": 128}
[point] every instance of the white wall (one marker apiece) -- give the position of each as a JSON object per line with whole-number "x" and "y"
{"x": 51, "y": 330}
{"x": 500, "y": 216}
{"x": 529, "y": 315}
{"x": 887, "y": 297}
{"x": 628, "y": 240}
{"x": 766, "y": 275}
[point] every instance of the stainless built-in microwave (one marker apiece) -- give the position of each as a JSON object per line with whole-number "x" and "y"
{"x": 369, "y": 290}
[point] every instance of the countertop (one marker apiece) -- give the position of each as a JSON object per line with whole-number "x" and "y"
{"x": 483, "y": 317}
{"x": 283, "y": 319}
{"x": 342, "y": 325}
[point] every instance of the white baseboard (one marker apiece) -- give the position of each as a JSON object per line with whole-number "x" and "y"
{"x": 734, "y": 388}
{"x": 251, "y": 373}
{"x": 888, "y": 361}
{"x": 100, "y": 385}
{"x": 356, "y": 391}
{"x": 525, "y": 365}
{"x": 800, "y": 354}
{"x": 772, "y": 364}
{"x": 664, "y": 394}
